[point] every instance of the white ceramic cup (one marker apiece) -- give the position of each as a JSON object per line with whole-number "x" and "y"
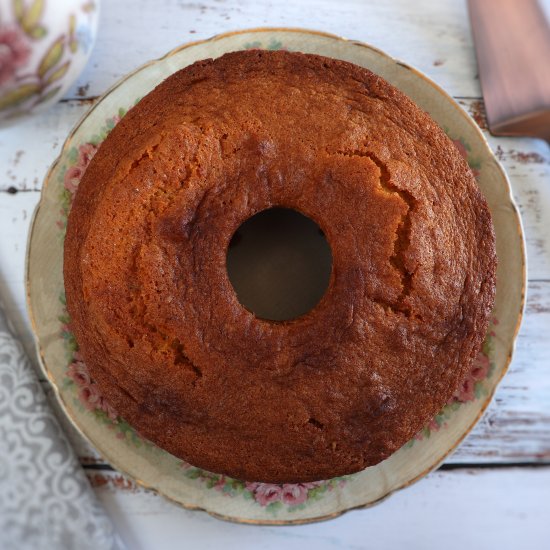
{"x": 44, "y": 45}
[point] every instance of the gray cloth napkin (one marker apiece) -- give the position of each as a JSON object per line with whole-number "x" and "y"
{"x": 46, "y": 501}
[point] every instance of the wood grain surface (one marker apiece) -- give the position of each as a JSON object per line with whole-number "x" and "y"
{"x": 497, "y": 483}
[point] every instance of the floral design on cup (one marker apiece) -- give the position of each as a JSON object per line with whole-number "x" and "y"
{"x": 14, "y": 52}
{"x": 34, "y": 66}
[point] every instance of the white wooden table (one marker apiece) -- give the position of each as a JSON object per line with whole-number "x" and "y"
{"x": 494, "y": 492}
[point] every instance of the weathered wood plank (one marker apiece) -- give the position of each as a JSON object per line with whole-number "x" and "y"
{"x": 15, "y": 215}
{"x": 458, "y": 509}
{"x": 516, "y": 426}
{"x": 527, "y": 163}
{"x": 433, "y": 36}
{"x": 28, "y": 148}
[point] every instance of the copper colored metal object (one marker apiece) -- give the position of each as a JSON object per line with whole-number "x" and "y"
{"x": 512, "y": 40}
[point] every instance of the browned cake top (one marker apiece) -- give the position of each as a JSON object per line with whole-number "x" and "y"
{"x": 159, "y": 324}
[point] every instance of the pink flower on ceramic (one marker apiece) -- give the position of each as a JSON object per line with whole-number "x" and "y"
{"x": 78, "y": 372}
{"x": 312, "y": 484}
{"x": 220, "y": 484}
{"x": 108, "y": 409}
{"x": 294, "y": 494}
{"x": 14, "y": 52}
{"x": 433, "y": 425}
{"x": 464, "y": 153}
{"x": 89, "y": 392}
{"x": 74, "y": 174}
{"x": 90, "y": 397}
{"x": 265, "y": 493}
{"x": 480, "y": 370}
{"x": 86, "y": 153}
{"x": 461, "y": 148}
{"x": 466, "y": 392}
{"x": 480, "y": 367}
{"x": 291, "y": 494}
{"x": 251, "y": 485}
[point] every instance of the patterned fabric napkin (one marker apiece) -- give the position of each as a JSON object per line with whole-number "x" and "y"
{"x": 45, "y": 499}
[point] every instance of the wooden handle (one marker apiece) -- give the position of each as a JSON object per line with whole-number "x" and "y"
{"x": 512, "y": 39}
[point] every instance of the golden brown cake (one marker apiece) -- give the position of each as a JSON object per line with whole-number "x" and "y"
{"x": 159, "y": 324}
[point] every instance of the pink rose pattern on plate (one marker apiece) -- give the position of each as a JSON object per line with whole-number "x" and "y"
{"x": 268, "y": 495}
{"x": 74, "y": 173}
{"x": 88, "y": 392}
{"x": 271, "y": 496}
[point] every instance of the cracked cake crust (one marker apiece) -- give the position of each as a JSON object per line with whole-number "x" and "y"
{"x": 159, "y": 324}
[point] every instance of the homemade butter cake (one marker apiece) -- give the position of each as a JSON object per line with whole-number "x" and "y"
{"x": 159, "y": 324}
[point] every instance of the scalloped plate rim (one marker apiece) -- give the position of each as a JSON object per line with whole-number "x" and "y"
{"x": 490, "y": 154}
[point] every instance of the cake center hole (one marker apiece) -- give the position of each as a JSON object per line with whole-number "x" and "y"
{"x": 279, "y": 263}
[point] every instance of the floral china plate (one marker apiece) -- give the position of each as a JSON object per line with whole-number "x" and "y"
{"x": 221, "y": 496}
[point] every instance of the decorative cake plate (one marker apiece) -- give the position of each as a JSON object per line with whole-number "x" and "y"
{"x": 194, "y": 488}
